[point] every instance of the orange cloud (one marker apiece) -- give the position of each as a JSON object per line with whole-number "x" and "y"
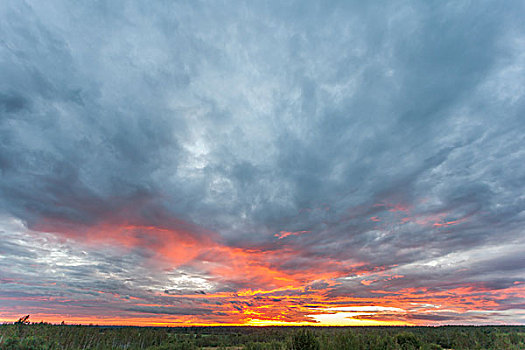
{"x": 284, "y": 234}
{"x": 282, "y": 284}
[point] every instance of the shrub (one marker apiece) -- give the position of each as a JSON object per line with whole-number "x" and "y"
{"x": 305, "y": 340}
{"x": 263, "y": 346}
{"x": 183, "y": 345}
{"x": 431, "y": 346}
{"x": 11, "y": 343}
{"x": 407, "y": 341}
{"x": 27, "y": 343}
{"x": 345, "y": 340}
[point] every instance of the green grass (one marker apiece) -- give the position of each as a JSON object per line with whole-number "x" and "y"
{"x": 49, "y": 337}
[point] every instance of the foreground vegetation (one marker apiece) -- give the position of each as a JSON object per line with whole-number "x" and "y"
{"x": 47, "y": 337}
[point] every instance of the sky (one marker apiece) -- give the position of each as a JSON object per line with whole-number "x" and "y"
{"x": 262, "y": 162}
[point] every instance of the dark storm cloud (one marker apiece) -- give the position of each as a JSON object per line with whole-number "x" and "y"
{"x": 383, "y": 137}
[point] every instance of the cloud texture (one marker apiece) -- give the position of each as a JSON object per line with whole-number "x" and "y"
{"x": 258, "y": 162}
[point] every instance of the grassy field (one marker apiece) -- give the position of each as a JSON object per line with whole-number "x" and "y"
{"x": 46, "y": 336}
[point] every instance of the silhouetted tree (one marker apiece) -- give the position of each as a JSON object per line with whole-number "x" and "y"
{"x": 23, "y": 320}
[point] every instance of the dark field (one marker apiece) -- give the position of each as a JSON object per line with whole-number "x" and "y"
{"x": 45, "y": 336}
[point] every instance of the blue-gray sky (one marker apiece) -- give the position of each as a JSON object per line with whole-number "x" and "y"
{"x": 262, "y": 162}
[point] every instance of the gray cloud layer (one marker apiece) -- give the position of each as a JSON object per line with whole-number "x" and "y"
{"x": 392, "y": 133}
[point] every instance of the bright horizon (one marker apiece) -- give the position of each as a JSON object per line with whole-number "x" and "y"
{"x": 259, "y": 163}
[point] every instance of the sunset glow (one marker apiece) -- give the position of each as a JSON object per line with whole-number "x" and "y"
{"x": 246, "y": 163}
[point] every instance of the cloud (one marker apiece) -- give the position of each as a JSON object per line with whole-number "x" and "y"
{"x": 170, "y": 310}
{"x": 345, "y": 150}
